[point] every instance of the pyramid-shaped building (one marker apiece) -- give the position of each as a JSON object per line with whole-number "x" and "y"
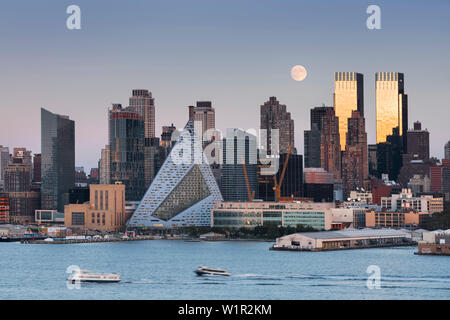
{"x": 183, "y": 192}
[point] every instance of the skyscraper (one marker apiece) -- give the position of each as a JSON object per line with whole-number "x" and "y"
{"x": 58, "y": 159}
{"x": 4, "y": 160}
{"x": 447, "y": 150}
{"x": 372, "y": 158}
{"x": 37, "y": 168}
{"x": 22, "y": 155}
{"x": 126, "y": 143}
{"x": 239, "y": 147}
{"x": 418, "y": 142}
{"x": 390, "y": 156}
{"x": 166, "y": 136}
{"x": 330, "y": 149}
{"x": 17, "y": 177}
{"x": 312, "y": 137}
{"x": 275, "y": 116}
{"x": 348, "y": 96}
{"x": 143, "y": 104}
{"x": 391, "y": 106}
{"x": 105, "y": 166}
{"x": 354, "y": 160}
{"x": 203, "y": 116}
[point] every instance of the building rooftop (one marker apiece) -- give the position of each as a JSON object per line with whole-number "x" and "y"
{"x": 353, "y": 233}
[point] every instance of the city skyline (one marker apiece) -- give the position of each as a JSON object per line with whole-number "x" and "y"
{"x": 87, "y": 70}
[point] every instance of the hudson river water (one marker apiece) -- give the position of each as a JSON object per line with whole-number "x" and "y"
{"x": 163, "y": 269}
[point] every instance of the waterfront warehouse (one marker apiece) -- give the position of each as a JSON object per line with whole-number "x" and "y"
{"x": 342, "y": 239}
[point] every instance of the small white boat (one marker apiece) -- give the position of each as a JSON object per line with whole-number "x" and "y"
{"x": 88, "y": 276}
{"x": 205, "y": 271}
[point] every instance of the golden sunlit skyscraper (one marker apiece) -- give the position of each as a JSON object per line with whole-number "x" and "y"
{"x": 391, "y": 105}
{"x": 348, "y": 97}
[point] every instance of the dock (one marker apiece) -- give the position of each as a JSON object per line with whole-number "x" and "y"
{"x": 74, "y": 241}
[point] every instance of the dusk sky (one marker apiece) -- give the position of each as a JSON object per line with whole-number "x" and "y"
{"x": 235, "y": 53}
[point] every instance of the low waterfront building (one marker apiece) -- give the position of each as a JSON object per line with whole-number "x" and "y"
{"x": 259, "y": 213}
{"x": 48, "y": 216}
{"x": 10, "y": 230}
{"x": 105, "y": 211}
{"x": 346, "y": 217}
{"x": 394, "y": 219}
{"x": 343, "y": 239}
{"x": 435, "y": 243}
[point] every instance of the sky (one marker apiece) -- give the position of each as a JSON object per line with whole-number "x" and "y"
{"x": 236, "y": 53}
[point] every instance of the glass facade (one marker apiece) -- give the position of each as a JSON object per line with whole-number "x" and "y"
{"x": 348, "y": 96}
{"x": 274, "y": 215}
{"x": 57, "y": 160}
{"x": 391, "y": 105}
{"x": 126, "y": 142}
{"x": 238, "y": 147}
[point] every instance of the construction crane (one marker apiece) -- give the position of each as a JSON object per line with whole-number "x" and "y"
{"x": 277, "y": 184}
{"x": 251, "y": 194}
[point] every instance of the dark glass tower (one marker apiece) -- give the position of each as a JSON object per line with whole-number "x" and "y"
{"x": 57, "y": 160}
{"x": 312, "y": 137}
{"x": 238, "y": 147}
{"x": 126, "y": 141}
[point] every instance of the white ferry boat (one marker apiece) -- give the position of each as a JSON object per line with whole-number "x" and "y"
{"x": 205, "y": 271}
{"x": 89, "y": 276}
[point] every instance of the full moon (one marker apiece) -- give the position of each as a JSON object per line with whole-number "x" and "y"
{"x": 298, "y": 73}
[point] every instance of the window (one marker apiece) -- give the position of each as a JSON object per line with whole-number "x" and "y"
{"x": 78, "y": 218}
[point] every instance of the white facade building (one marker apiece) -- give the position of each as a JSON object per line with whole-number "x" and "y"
{"x": 183, "y": 192}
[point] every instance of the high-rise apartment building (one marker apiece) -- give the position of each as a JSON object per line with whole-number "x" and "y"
{"x": 447, "y": 150}
{"x": 126, "y": 143}
{"x": 390, "y": 156}
{"x": 275, "y": 116}
{"x": 17, "y": 177}
{"x": 166, "y": 136}
{"x": 37, "y": 162}
{"x": 348, "y": 96}
{"x": 418, "y": 142}
{"x": 391, "y": 106}
{"x": 330, "y": 149}
{"x": 154, "y": 154}
{"x": 4, "y": 208}
{"x": 355, "y": 170}
{"x": 372, "y": 159}
{"x": 203, "y": 116}
{"x": 4, "y": 161}
{"x": 58, "y": 159}
{"x": 143, "y": 104}
{"x": 239, "y": 148}
{"x": 312, "y": 137}
{"x": 105, "y": 166}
